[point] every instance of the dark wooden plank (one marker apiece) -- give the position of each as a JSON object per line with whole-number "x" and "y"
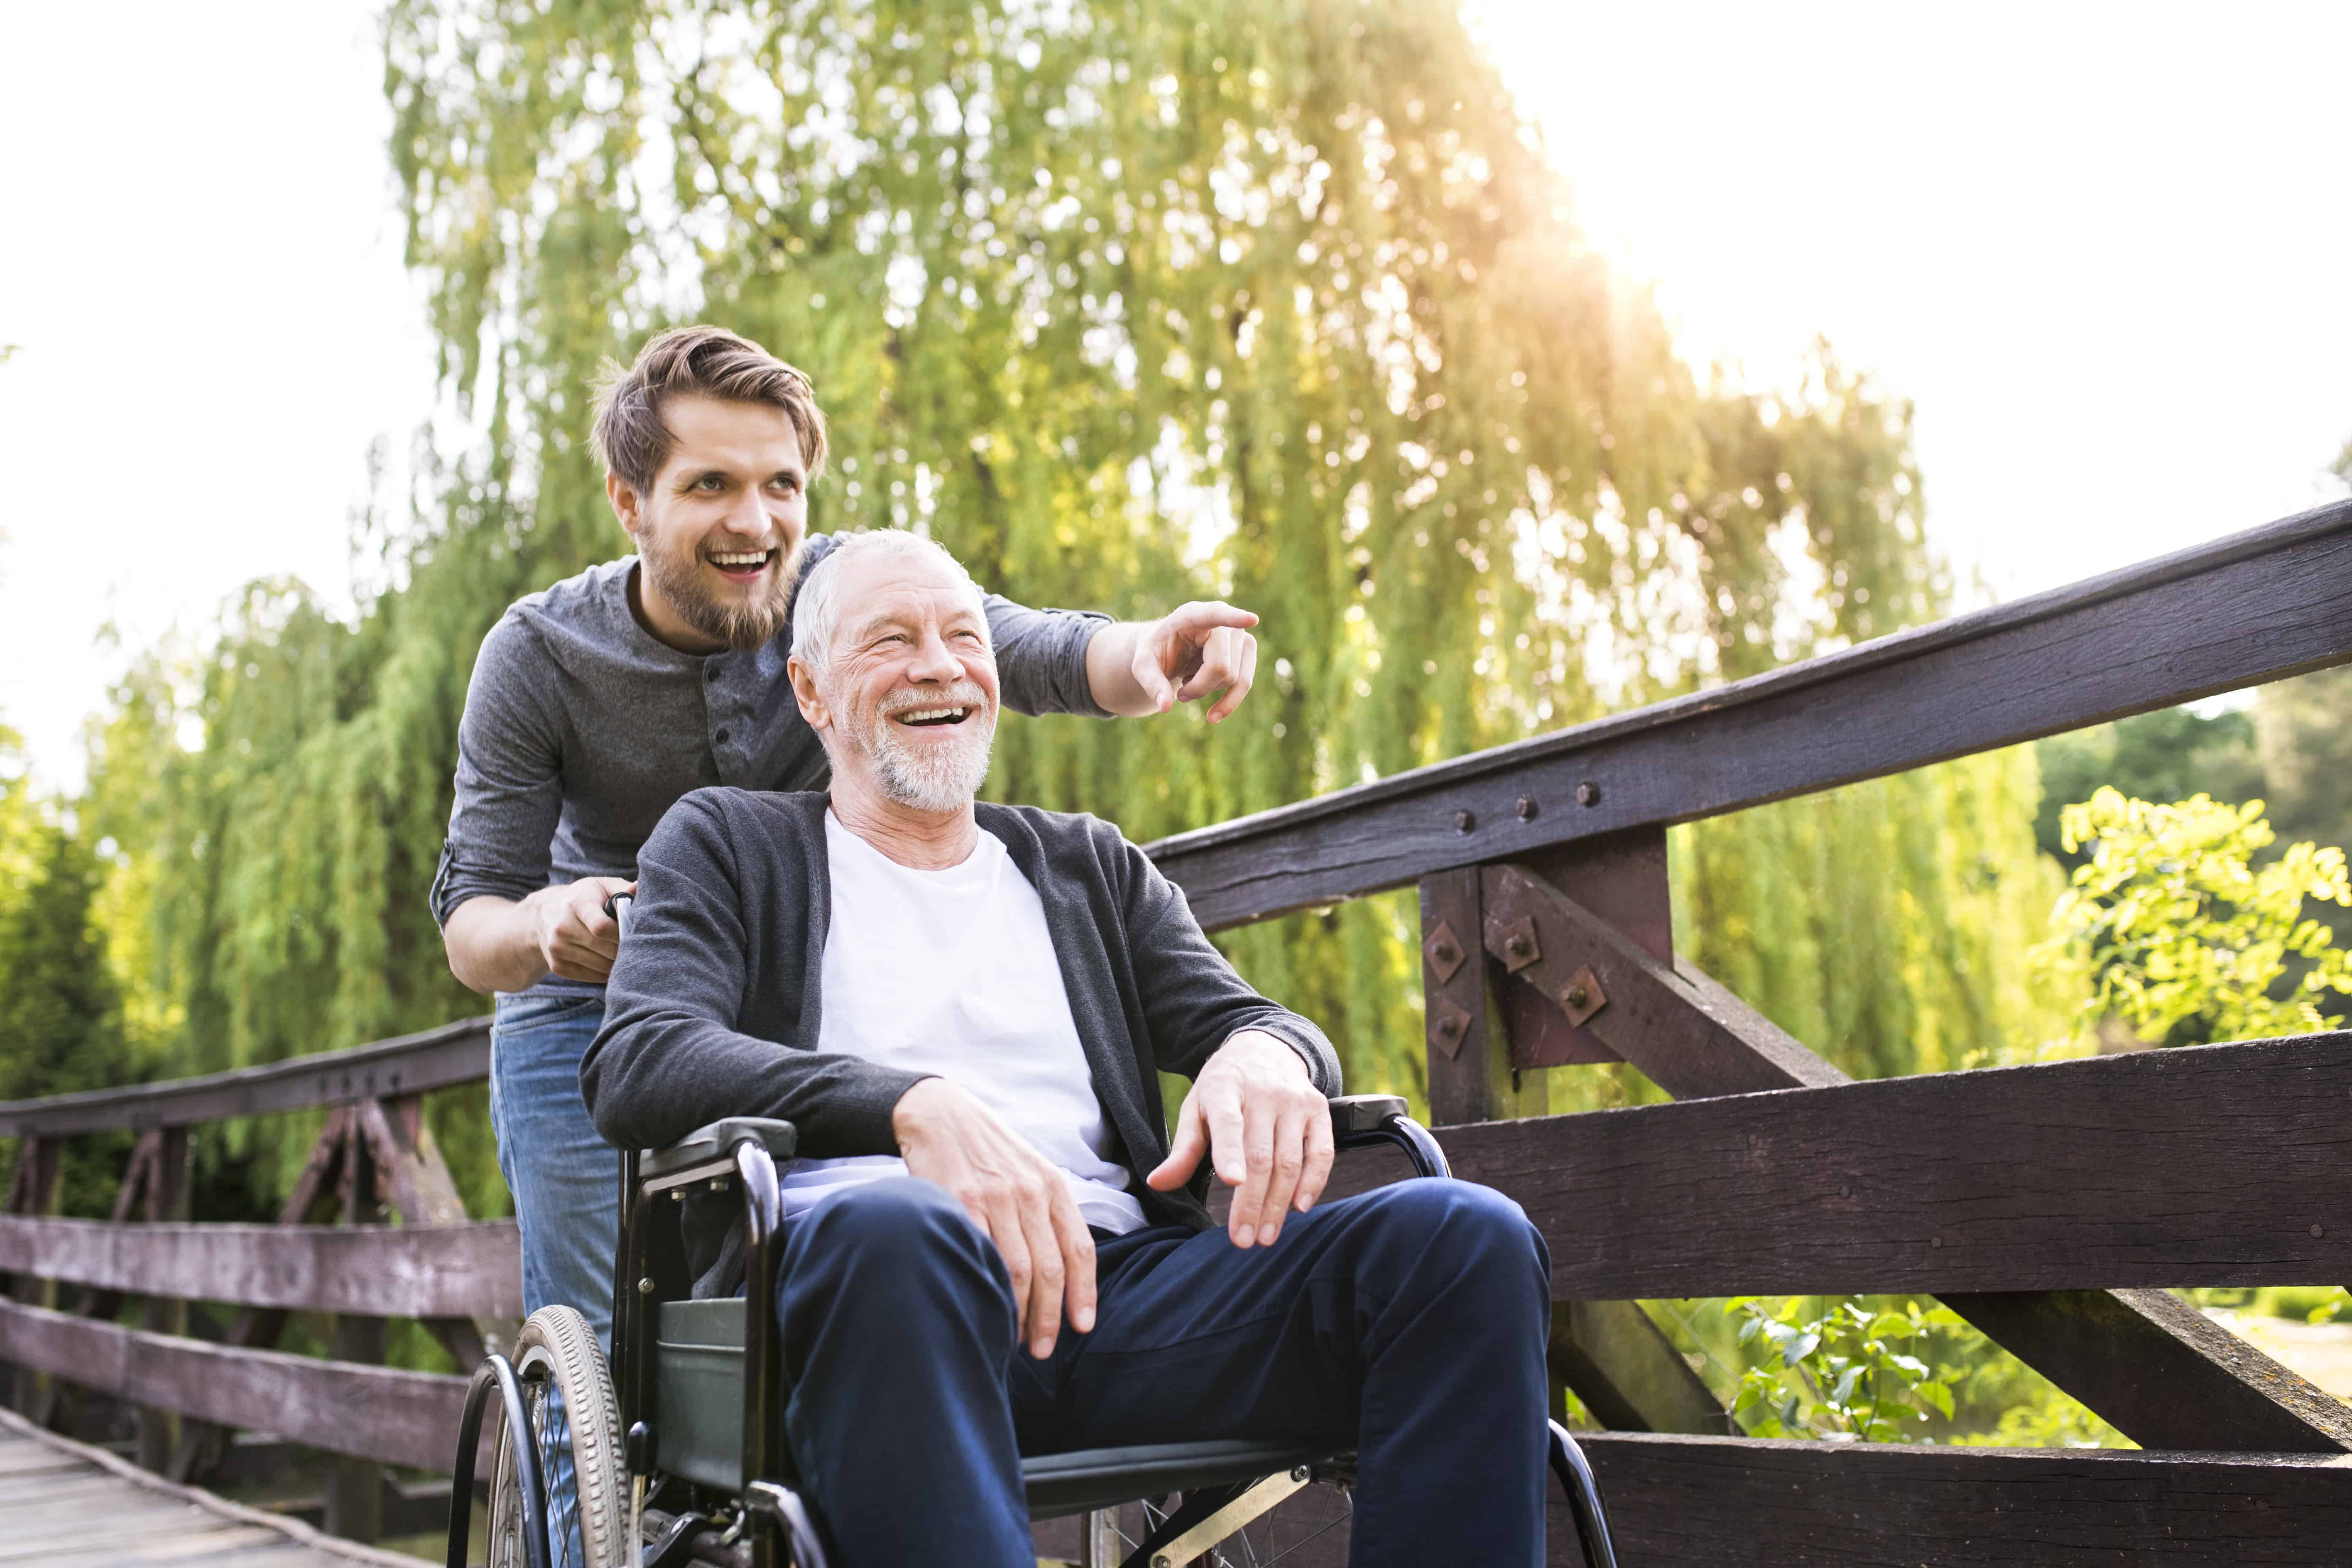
{"x": 1740, "y": 1503}
{"x": 458, "y": 1271}
{"x": 2257, "y": 607}
{"x": 370, "y": 1412}
{"x": 2151, "y": 1351}
{"x": 1745, "y": 1503}
{"x": 413, "y": 1064}
{"x": 2206, "y": 1166}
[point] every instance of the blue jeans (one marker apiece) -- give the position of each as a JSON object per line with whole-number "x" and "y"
{"x": 566, "y": 1181}
{"x": 1409, "y": 1322}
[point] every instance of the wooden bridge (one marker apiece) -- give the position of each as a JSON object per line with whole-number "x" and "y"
{"x": 2050, "y": 1206}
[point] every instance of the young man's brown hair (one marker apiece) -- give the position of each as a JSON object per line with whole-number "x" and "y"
{"x": 710, "y": 362}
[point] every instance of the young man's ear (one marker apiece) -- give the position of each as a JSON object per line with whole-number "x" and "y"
{"x": 805, "y": 692}
{"x": 624, "y": 497}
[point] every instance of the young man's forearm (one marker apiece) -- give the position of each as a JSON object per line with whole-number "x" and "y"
{"x": 489, "y": 944}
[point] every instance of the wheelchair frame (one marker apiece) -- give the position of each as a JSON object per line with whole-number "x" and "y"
{"x": 1225, "y": 1484}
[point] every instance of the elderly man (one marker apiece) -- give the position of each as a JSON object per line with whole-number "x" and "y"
{"x": 993, "y": 1246}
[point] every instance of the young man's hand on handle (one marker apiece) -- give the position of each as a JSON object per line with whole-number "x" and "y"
{"x": 508, "y": 944}
{"x": 1266, "y": 1129}
{"x": 1014, "y": 1194}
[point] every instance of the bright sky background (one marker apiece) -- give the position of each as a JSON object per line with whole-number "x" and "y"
{"x": 2103, "y": 247}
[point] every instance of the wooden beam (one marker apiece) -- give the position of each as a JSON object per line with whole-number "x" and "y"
{"x": 418, "y": 1184}
{"x": 1687, "y": 1034}
{"x": 372, "y": 1411}
{"x": 1743, "y": 1503}
{"x": 1732, "y": 1502}
{"x": 2151, "y": 1352}
{"x": 167, "y": 1202}
{"x": 2256, "y": 606}
{"x": 471, "y": 1270}
{"x": 436, "y": 1059}
{"x": 1628, "y": 1373}
{"x": 2201, "y": 1165}
{"x": 1623, "y": 879}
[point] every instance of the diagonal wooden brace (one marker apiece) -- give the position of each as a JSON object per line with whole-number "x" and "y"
{"x": 2157, "y": 1370}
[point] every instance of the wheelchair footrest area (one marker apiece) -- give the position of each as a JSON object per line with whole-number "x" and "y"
{"x": 698, "y": 1429}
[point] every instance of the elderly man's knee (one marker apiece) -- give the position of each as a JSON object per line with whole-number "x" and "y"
{"x": 1462, "y": 1223}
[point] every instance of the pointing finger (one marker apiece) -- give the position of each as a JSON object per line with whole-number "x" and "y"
{"x": 1243, "y": 678}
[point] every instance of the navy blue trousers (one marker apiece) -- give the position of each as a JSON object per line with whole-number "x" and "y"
{"x": 1410, "y": 1321}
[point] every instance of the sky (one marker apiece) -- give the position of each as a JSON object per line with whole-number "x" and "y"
{"x": 2101, "y": 247}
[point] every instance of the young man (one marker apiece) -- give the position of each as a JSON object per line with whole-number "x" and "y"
{"x": 596, "y": 704}
{"x": 964, "y": 1010}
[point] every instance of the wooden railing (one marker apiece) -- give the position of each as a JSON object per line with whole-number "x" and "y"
{"x": 2049, "y": 1205}
{"x": 375, "y": 1159}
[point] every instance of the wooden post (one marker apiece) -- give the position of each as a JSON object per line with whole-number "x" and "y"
{"x": 35, "y": 1191}
{"x": 315, "y": 1198}
{"x": 355, "y": 1486}
{"x": 416, "y": 1179}
{"x": 167, "y": 1200}
{"x": 1470, "y": 1073}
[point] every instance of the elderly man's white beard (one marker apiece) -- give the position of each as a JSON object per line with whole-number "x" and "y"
{"x": 930, "y": 778}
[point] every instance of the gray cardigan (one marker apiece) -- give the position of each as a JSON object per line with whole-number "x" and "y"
{"x": 713, "y": 1007}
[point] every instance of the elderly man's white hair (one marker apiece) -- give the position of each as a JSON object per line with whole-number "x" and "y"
{"x": 817, "y": 612}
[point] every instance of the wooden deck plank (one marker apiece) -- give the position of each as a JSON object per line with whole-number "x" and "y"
{"x": 67, "y": 1505}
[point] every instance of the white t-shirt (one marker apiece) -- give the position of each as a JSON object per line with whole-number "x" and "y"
{"x": 953, "y": 973}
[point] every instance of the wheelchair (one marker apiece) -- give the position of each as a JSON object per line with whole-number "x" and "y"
{"x": 683, "y": 1438}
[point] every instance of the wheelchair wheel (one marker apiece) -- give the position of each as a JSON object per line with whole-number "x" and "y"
{"x": 575, "y": 1423}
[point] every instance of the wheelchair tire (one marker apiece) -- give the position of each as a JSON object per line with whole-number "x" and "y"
{"x": 557, "y": 1353}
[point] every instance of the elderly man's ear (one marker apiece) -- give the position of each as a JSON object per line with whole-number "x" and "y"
{"x": 805, "y": 692}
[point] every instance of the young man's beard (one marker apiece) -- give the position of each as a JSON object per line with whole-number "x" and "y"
{"x": 928, "y": 777}
{"x": 741, "y": 624}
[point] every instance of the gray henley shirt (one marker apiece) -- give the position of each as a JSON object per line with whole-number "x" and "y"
{"x": 581, "y": 729}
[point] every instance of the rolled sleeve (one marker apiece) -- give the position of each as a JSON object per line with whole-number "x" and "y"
{"x": 509, "y": 784}
{"x": 1041, "y": 658}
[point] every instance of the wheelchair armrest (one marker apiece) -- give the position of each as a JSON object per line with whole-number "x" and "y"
{"x": 1355, "y": 1114}
{"x": 1359, "y": 1121}
{"x": 719, "y": 1140}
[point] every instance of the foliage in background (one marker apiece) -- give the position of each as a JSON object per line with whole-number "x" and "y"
{"x": 60, "y": 1008}
{"x": 1874, "y": 1369}
{"x": 2190, "y": 940}
{"x": 1840, "y": 1374}
{"x": 1127, "y": 302}
{"x": 2170, "y": 755}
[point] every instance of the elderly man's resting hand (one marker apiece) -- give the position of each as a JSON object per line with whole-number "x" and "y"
{"x": 1012, "y": 1193}
{"x": 1266, "y": 1128}
{"x": 1254, "y": 1111}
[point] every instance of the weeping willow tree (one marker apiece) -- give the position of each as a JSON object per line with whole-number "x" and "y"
{"x": 1127, "y": 302}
